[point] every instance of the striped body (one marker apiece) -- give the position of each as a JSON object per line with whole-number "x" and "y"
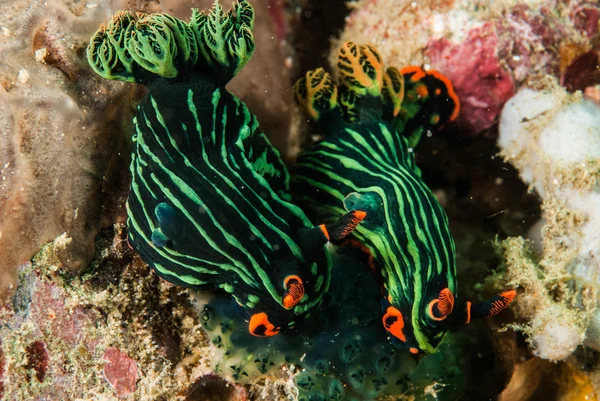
{"x": 371, "y": 120}
{"x": 406, "y": 230}
{"x": 206, "y": 206}
{"x": 208, "y": 201}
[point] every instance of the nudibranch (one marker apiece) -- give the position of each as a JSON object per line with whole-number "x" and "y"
{"x": 372, "y": 120}
{"x": 208, "y": 204}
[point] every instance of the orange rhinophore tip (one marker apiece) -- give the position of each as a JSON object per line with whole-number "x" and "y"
{"x": 294, "y": 291}
{"x": 440, "y": 308}
{"x": 260, "y": 326}
{"x": 344, "y": 225}
{"x": 501, "y": 302}
{"x": 394, "y": 323}
{"x": 325, "y": 232}
{"x": 356, "y": 217}
{"x": 413, "y": 350}
{"x": 491, "y": 307}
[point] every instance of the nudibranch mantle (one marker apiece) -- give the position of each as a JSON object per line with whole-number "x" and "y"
{"x": 372, "y": 120}
{"x": 208, "y": 205}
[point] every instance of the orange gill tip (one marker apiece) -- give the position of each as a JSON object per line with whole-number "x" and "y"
{"x": 451, "y": 93}
{"x": 260, "y": 326}
{"x": 394, "y": 323}
{"x": 419, "y": 73}
{"x": 324, "y": 230}
{"x": 413, "y": 350}
{"x": 294, "y": 291}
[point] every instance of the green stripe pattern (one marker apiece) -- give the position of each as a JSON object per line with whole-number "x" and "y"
{"x": 206, "y": 205}
{"x": 209, "y": 205}
{"x": 366, "y": 162}
{"x": 406, "y": 229}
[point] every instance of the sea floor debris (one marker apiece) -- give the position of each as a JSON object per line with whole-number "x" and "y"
{"x": 119, "y": 329}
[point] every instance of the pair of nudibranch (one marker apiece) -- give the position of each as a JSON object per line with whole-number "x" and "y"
{"x": 210, "y": 205}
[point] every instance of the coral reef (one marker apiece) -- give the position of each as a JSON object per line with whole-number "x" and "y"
{"x": 486, "y": 51}
{"x": 81, "y": 338}
{"x": 553, "y": 138}
{"x": 119, "y": 332}
{"x": 115, "y": 330}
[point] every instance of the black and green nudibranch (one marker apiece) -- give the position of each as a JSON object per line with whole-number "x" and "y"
{"x": 208, "y": 205}
{"x": 371, "y": 121}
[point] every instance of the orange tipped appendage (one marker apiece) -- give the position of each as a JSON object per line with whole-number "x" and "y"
{"x": 440, "y": 308}
{"x": 468, "y": 319}
{"x": 344, "y": 225}
{"x": 394, "y": 323}
{"x": 260, "y": 326}
{"x": 413, "y": 350}
{"x": 294, "y": 291}
{"x": 360, "y": 69}
{"x": 355, "y": 218}
{"x": 324, "y": 230}
{"x": 419, "y": 73}
{"x": 504, "y": 299}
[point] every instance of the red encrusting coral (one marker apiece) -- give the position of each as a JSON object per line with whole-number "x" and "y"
{"x": 120, "y": 371}
{"x": 475, "y": 70}
{"x": 583, "y": 72}
{"x": 37, "y": 359}
{"x": 586, "y": 18}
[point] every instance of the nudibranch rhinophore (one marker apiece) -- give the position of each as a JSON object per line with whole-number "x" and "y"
{"x": 208, "y": 204}
{"x": 372, "y": 120}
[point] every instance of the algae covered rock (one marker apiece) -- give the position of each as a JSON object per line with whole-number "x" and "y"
{"x": 554, "y": 139}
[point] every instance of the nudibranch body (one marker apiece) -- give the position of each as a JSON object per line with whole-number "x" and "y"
{"x": 208, "y": 207}
{"x": 372, "y": 120}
